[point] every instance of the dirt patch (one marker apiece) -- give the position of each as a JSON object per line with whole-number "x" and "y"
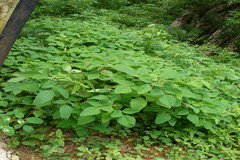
{"x": 128, "y": 146}
{"x": 26, "y": 153}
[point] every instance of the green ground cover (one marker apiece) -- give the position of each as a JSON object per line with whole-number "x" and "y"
{"x": 83, "y": 75}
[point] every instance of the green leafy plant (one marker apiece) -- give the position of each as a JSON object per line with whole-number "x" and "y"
{"x": 82, "y": 75}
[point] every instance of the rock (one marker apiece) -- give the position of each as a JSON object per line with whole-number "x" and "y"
{"x": 9, "y": 155}
{"x": 3, "y": 154}
{"x": 15, "y": 157}
{"x": 6, "y": 155}
{"x": 2, "y": 144}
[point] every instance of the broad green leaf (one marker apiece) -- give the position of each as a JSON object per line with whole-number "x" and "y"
{"x": 179, "y": 96}
{"x": 43, "y": 98}
{"x": 172, "y": 89}
{"x": 183, "y": 112}
{"x": 32, "y": 74}
{"x": 106, "y": 117}
{"x": 210, "y": 110}
{"x": 49, "y": 85}
{"x": 38, "y": 113}
{"x": 149, "y": 97}
{"x": 157, "y": 92}
{"x": 189, "y": 94}
{"x": 100, "y": 97}
{"x": 143, "y": 71}
{"x": 93, "y": 76}
{"x": 195, "y": 109}
{"x": 19, "y": 115}
{"x": 106, "y": 73}
{"x": 126, "y": 69}
{"x": 63, "y": 92}
{"x": 138, "y": 103}
{"x": 28, "y": 128}
{"x": 130, "y": 111}
{"x": 3, "y": 103}
{"x": 124, "y": 82}
{"x": 127, "y": 121}
{"x": 65, "y": 111}
{"x": 107, "y": 108}
{"x": 158, "y": 84}
{"x": 59, "y": 133}
{"x": 31, "y": 143}
{"x": 31, "y": 86}
{"x": 196, "y": 83}
{"x": 144, "y": 89}
{"x": 162, "y": 118}
{"x": 168, "y": 73}
{"x": 172, "y": 121}
{"x": 146, "y": 79}
{"x": 34, "y": 120}
{"x": 76, "y": 88}
{"x": 8, "y": 130}
{"x": 193, "y": 118}
{"x": 14, "y": 80}
{"x": 90, "y": 111}
{"x": 94, "y": 103}
{"x": 86, "y": 120}
{"x": 167, "y": 100}
{"x": 122, "y": 89}
{"x": 17, "y": 126}
{"x": 116, "y": 114}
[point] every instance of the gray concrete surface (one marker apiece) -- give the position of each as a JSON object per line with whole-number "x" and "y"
{"x": 6, "y": 154}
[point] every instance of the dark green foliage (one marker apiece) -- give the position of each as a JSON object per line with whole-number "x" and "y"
{"x": 186, "y": 33}
{"x": 94, "y": 75}
{"x": 112, "y": 4}
{"x": 62, "y": 7}
{"x": 232, "y": 28}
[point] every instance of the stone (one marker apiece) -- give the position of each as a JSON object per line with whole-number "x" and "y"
{"x": 2, "y": 144}
{"x": 15, "y": 157}
{"x": 3, "y": 154}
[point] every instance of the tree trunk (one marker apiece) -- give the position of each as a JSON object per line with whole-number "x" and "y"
{"x": 14, "y": 25}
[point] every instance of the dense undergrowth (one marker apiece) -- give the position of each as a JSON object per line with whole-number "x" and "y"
{"x": 84, "y": 75}
{"x": 197, "y": 29}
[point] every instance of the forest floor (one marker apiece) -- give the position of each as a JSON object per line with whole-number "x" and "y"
{"x": 82, "y": 87}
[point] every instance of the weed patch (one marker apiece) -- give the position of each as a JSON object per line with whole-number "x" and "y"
{"x": 90, "y": 76}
